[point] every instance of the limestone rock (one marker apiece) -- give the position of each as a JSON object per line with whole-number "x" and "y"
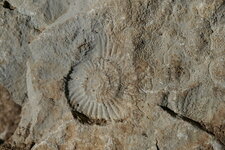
{"x": 9, "y": 115}
{"x": 16, "y": 32}
{"x": 115, "y": 74}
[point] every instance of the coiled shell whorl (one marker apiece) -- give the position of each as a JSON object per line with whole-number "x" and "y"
{"x": 100, "y": 86}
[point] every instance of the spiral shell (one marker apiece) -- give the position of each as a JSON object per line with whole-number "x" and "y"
{"x": 100, "y": 86}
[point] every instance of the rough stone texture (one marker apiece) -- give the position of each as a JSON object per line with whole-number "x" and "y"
{"x": 9, "y": 115}
{"x": 16, "y": 32}
{"x": 115, "y": 74}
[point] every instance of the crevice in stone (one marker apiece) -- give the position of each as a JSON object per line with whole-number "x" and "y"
{"x": 189, "y": 120}
{"x": 66, "y": 81}
{"x": 81, "y": 118}
{"x": 169, "y": 111}
{"x": 197, "y": 124}
{"x": 1, "y": 141}
{"x": 157, "y": 146}
{"x": 32, "y": 145}
{"x": 186, "y": 119}
{"x": 7, "y": 5}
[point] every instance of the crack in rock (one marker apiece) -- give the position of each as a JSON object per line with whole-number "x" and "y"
{"x": 1, "y": 141}
{"x": 189, "y": 120}
{"x": 157, "y": 146}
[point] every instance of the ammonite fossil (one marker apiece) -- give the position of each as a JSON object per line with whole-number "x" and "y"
{"x": 101, "y": 85}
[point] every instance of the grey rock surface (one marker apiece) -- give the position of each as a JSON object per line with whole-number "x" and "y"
{"x": 115, "y": 74}
{"x": 16, "y": 32}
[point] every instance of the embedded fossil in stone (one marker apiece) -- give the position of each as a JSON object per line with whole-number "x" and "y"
{"x": 99, "y": 86}
{"x": 217, "y": 71}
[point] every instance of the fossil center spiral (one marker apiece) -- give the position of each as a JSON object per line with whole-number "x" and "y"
{"x": 103, "y": 81}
